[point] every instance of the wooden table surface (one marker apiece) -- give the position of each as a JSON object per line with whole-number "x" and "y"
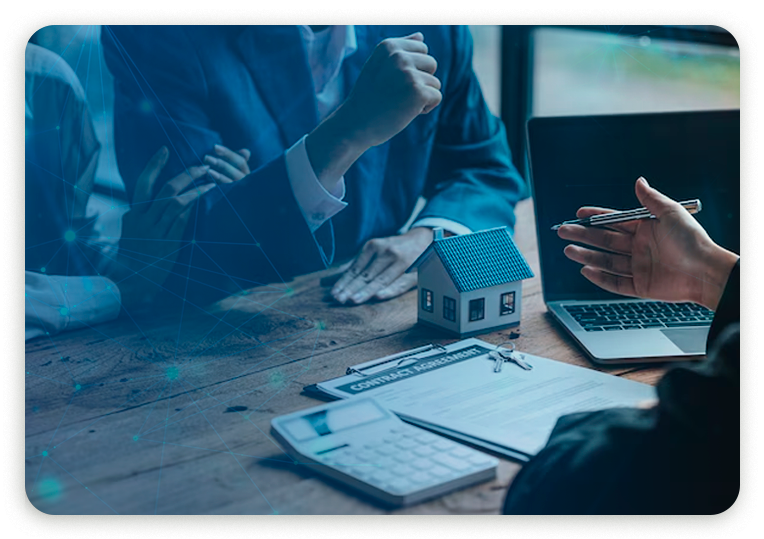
{"x": 171, "y": 414}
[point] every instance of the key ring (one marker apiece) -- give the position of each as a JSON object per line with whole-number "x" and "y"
{"x": 509, "y": 355}
{"x": 506, "y": 354}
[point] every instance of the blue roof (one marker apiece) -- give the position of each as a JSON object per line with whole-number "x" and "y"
{"x": 480, "y": 260}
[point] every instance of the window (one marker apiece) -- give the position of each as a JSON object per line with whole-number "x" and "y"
{"x": 449, "y": 308}
{"x": 507, "y": 304}
{"x": 427, "y": 303}
{"x": 477, "y": 309}
{"x": 583, "y": 72}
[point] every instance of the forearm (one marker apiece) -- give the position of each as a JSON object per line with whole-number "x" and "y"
{"x": 332, "y": 149}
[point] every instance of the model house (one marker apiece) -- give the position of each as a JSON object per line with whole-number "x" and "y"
{"x": 472, "y": 283}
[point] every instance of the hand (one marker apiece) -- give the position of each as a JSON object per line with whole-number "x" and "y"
{"x": 670, "y": 258}
{"x": 228, "y": 166}
{"x": 396, "y": 85}
{"x": 152, "y": 230}
{"x": 379, "y": 271}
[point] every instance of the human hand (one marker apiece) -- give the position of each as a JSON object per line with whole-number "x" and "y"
{"x": 670, "y": 258}
{"x": 228, "y": 166}
{"x": 379, "y": 270}
{"x": 152, "y": 230}
{"x": 396, "y": 85}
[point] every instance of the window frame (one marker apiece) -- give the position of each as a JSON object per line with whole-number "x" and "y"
{"x": 452, "y": 310}
{"x": 481, "y": 302}
{"x": 422, "y": 302}
{"x": 501, "y": 303}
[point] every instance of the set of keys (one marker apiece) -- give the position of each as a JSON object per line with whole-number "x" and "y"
{"x": 503, "y": 355}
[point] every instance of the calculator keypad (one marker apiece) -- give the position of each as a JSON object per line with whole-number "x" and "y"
{"x": 407, "y": 459}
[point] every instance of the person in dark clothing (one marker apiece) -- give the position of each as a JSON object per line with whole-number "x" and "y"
{"x": 680, "y": 455}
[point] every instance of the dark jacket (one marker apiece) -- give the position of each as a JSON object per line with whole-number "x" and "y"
{"x": 681, "y": 457}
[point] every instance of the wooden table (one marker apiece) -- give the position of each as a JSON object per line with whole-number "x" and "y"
{"x": 171, "y": 416}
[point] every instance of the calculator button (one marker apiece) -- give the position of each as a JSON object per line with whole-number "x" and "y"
{"x": 424, "y": 451}
{"x": 386, "y": 449}
{"x": 384, "y": 462}
{"x": 405, "y": 457}
{"x": 381, "y": 476}
{"x": 451, "y": 462}
{"x": 365, "y": 455}
{"x": 444, "y": 445}
{"x": 422, "y": 464}
{"x": 426, "y": 438}
{"x": 460, "y": 452}
{"x": 403, "y": 471}
{"x": 392, "y": 438}
{"x": 406, "y": 444}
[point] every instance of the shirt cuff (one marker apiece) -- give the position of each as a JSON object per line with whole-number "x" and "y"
{"x": 316, "y": 203}
{"x": 446, "y": 224}
{"x": 57, "y": 303}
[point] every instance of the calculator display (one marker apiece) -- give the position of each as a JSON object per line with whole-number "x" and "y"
{"x": 325, "y": 422}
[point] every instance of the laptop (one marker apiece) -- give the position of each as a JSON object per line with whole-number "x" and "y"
{"x": 595, "y": 160}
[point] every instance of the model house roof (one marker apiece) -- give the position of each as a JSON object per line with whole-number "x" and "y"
{"x": 479, "y": 260}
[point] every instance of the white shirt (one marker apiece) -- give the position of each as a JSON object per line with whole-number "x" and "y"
{"x": 56, "y": 303}
{"x": 326, "y": 50}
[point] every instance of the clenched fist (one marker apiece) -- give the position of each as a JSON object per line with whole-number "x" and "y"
{"x": 396, "y": 85}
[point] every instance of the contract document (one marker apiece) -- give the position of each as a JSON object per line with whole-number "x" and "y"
{"x": 455, "y": 391}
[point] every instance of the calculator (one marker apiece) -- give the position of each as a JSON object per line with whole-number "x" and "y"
{"x": 361, "y": 444}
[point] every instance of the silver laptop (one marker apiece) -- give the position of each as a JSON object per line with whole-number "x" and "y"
{"x": 595, "y": 160}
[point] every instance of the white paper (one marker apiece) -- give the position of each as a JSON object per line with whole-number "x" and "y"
{"x": 514, "y": 408}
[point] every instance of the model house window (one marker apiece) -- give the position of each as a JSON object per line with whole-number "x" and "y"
{"x": 449, "y": 308}
{"x": 427, "y": 300}
{"x": 507, "y": 303}
{"x": 477, "y": 309}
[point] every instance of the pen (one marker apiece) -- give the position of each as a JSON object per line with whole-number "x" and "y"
{"x": 604, "y": 219}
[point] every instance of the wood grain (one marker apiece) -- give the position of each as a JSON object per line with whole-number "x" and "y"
{"x": 170, "y": 413}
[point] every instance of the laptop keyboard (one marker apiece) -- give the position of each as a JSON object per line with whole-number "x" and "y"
{"x": 639, "y": 315}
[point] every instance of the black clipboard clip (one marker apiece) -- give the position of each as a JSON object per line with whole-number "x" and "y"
{"x": 394, "y": 361}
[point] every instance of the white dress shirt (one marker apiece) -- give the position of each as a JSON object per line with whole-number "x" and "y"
{"x": 56, "y": 303}
{"x": 326, "y": 51}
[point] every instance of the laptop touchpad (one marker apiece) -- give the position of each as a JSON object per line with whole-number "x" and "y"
{"x": 689, "y": 340}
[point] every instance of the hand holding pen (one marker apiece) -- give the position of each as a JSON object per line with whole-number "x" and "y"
{"x": 668, "y": 257}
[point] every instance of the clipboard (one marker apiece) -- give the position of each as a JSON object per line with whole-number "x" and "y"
{"x": 455, "y": 391}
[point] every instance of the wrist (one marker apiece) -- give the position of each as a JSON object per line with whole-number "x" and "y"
{"x": 332, "y": 149}
{"x": 421, "y": 233}
{"x": 719, "y": 265}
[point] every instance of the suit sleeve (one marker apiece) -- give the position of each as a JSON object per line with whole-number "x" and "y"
{"x": 681, "y": 457}
{"x": 245, "y": 233}
{"x": 470, "y": 160}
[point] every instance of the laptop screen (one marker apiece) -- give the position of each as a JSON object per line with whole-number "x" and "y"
{"x": 595, "y": 160}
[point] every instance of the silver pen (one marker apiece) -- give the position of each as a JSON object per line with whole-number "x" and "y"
{"x": 605, "y": 219}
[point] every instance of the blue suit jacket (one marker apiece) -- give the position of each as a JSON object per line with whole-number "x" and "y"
{"x": 250, "y": 87}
